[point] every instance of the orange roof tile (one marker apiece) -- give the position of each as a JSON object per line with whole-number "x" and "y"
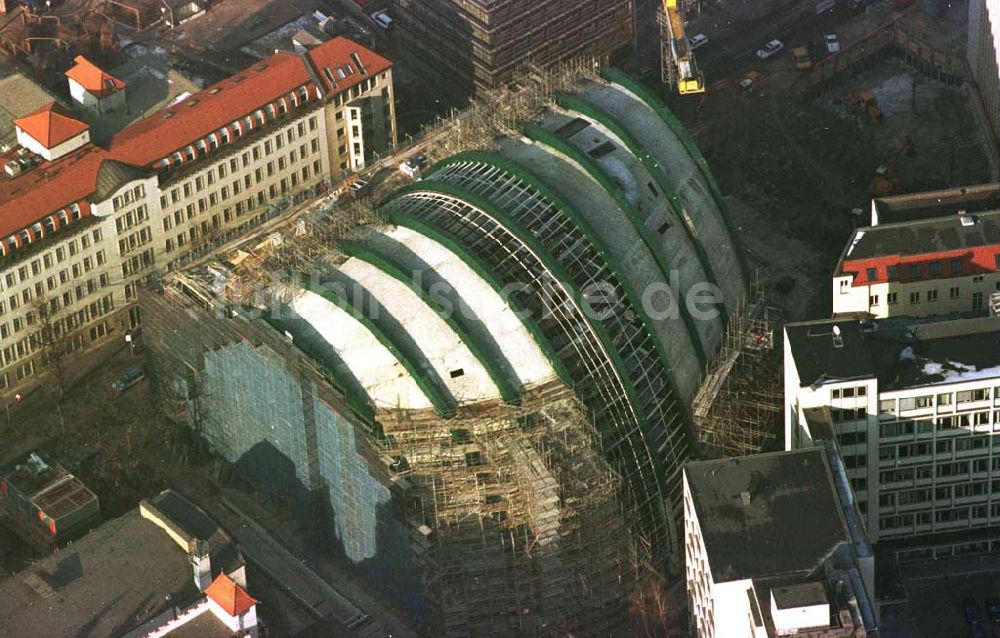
{"x": 92, "y": 78}
{"x": 233, "y": 599}
{"x": 51, "y": 125}
{"x": 52, "y": 186}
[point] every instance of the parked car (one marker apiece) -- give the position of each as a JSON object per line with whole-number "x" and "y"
{"x": 358, "y": 185}
{"x": 769, "y": 49}
{"x": 832, "y": 43}
{"x": 382, "y": 19}
{"x": 127, "y": 380}
{"x": 696, "y": 41}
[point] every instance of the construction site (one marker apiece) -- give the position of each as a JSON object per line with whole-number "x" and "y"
{"x": 515, "y": 474}
{"x": 799, "y": 149}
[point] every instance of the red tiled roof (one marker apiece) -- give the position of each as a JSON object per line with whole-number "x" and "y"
{"x": 50, "y": 125}
{"x": 207, "y": 111}
{"x": 233, "y": 599}
{"x": 92, "y": 78}
{"x": 54, "y": 185}
{"x": 336, "y": 54}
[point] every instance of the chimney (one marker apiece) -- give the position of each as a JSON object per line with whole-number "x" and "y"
{"x": 745, "y": 499}
{"x": 201, "y": 562}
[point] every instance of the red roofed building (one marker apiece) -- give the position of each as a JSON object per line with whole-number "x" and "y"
{"x": 94, "y": 88}
{"x": 229, "y": 596}
{"x": 82, "y": 226}
{"x": 51, "y": 132}
{"x": 941, "y": 258}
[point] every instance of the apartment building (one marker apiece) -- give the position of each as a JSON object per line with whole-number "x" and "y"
{"x": 914, "y": 407}
{"x": 935, "y": 264}
{"x": 770, "y": 549}
{"x": 984, "y": 61}
{"x": 481, "y": 43}
{"x": 82, "y": 226}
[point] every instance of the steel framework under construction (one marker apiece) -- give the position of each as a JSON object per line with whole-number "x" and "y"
{"x": 738, "y": 409}
{"x": 504, "y": 517}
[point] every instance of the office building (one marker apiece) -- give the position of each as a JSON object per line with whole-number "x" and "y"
{"x": 773, "y": 548}
{"x": 83, "y": 226}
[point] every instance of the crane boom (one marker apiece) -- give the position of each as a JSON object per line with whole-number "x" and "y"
{"x": 681, "y": 68}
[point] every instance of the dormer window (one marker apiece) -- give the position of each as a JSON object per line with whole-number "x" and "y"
{"x": 25, "y": 236}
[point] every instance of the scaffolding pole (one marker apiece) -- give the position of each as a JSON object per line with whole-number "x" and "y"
{"x": 738, "y": 408}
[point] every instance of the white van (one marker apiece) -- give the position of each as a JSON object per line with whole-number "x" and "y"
{"x": 382, "y": 19}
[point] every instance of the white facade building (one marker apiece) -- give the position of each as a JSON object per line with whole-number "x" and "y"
{"x": 770, "y": 550}
{"x": 914, "y": 407}
{"x": 83, "y": 229}
{"x": 939, "y": 265}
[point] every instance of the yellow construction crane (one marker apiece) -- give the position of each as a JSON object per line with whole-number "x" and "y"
{"x": 679, "y": 66}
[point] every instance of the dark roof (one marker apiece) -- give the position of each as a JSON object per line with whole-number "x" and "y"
{"x": 790, "y": 525}
{"x": 915, "y": 206}
{"x": 191, "y": 522}
{"x": 936, "y": 235}
{"x": 900, "y": 353}
{"x": 113, "y": 174}
{"x": 800, "y": 595}
{"x": 817, "y": 355}
{"x": 120, "y": 575}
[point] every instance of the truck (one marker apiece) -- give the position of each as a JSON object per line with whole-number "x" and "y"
{"x": 803, "y": 61}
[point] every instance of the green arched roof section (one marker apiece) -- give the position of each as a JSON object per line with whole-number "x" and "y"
{"x": 433, "y": 388}
{"x": 677, "y": 128}
{"x": 548, "y": 138}
{"x": 477, "y": 266}
{"x": 500, "y": 375}
{"x": 549, "y": 261}
{"x": 609, "y": 257}
{"x": 573, "y": 103}
{"x": 344, "y": 383}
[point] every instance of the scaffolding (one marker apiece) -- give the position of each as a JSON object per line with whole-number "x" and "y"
{"x": 738, "y": 409}
{"x": 511, "y": 519}
{"x": 516, "y": 515}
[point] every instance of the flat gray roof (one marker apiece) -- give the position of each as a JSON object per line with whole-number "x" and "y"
{"x": 935, "y": 235}
{"x": 791, "y": 523}
{"x": 115, "y": 578}
{"x": 899, "y": 353}
{"x": 19, "y": 95}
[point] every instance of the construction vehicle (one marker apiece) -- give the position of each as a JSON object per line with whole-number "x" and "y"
{"x": 864, "y": 102}
{"x": 886, "y": 182}
{"x": 803, "y": 61}
{"x": 679, "y": 67}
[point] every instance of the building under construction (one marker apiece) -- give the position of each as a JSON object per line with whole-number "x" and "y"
{"x": 485, "y": 378}
{"x": 738, "y": 410}
{"x": 481, "y": 43}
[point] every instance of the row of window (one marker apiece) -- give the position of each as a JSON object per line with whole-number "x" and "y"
{"x": 961, "y": 399}
{"x": 27, "y": 272}
{"x": 947, "y": 470}
{"x": 52, "y": 336}
{"x": 981, "y": 513}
